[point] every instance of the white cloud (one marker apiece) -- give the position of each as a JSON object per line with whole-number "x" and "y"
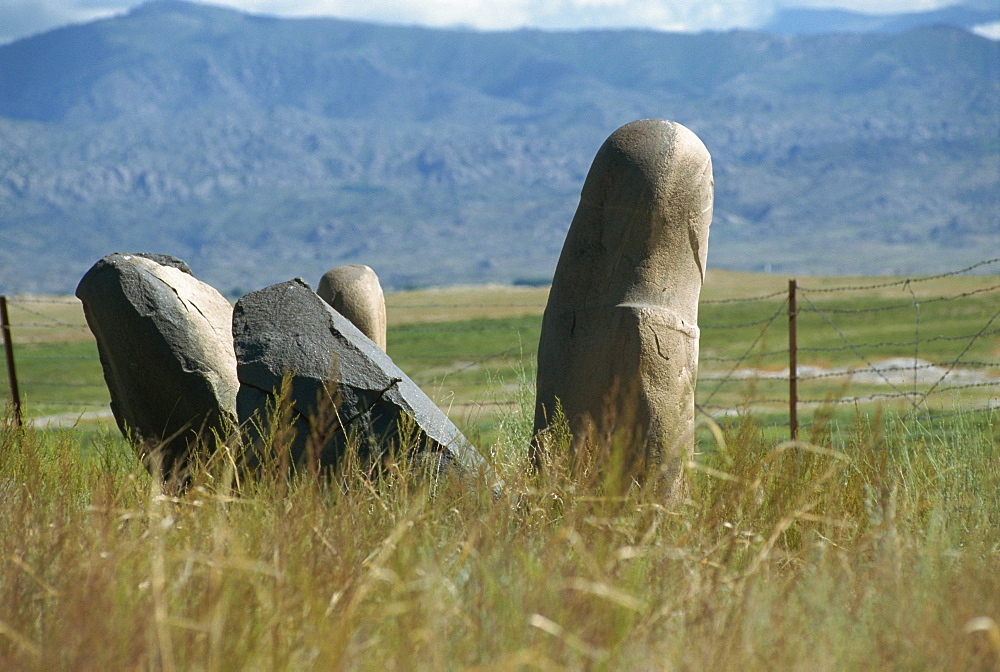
{"x": 20, "y": 18}
{"x": 23, "y": 17}
{"x": 875, "y": 6}
{"x": 989, "y": 30}
{"x": 553, "y": 14}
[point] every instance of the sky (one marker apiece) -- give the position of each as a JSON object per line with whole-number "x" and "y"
{"x": 20, "y": 18}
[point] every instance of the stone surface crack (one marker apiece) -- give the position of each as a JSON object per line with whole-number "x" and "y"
{"x": 696, "y": 249}
{"x": 659, "y": 349}
{"x": 392, "y": 384}
{"x": 188, "y": 305}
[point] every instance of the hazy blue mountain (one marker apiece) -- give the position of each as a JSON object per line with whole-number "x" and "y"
{"x": 816, "y": 21}
{"x": 258, "y": 149}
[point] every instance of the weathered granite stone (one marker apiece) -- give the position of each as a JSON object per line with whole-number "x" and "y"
{"x": 354, "y": 292}
{"x": 619, "y": 341}
{"x": 286, "y": 329}
{"x": 166, "y": 347}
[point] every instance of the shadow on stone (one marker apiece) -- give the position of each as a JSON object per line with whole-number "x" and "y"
{"x": 307, "y": 371}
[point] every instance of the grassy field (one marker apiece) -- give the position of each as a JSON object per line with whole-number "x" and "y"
{"x": 871, "y": 545}
{"x": 874, "y": 549}
{"x": 473, "y": 349}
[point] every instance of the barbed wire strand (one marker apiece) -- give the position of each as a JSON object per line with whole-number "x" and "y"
{"x": 52, "y": 321}
{"x": 402, "y": 307}
{"x": 849, "y": 346}
{"x": 886, "y": 344}
{"x": 53, "y": 383}
{"x": 896, "y": 306}
{"x": 899, "y": 395}
{"x": 759, "y": 355}
{"x": 848, "y": 341}
{"x": 739, "y": 325}
{"x": 930, "y": 414}
{"x": 746, "y": 299}
{"x": 439, "y": 379}
{"x": 456, "y": 357}
{"x": 880, "y": 344}
{"x": 77, "y": 357}
{"x": 962, "y": 354}
{"x": 875, "y": 396}
{"x": 749, "y": 350}
{"x": 48, "y": 325}
{"x": 430, "y": 306}
{"x": 844, "y": 373}
{"x": 845, "y": 288}
{"x": 30, "y": 298}
{"x": 488, "y": 327}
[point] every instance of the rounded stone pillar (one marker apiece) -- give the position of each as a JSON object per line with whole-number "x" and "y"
{"x": 354, "y": 292}
{"x": 619, "y": 344}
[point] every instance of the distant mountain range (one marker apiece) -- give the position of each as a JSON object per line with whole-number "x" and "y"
{"x": 258, "y": 149}
{"x": 812, "y": 21}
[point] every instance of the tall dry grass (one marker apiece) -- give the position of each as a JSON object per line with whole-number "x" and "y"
{"x": 868, "y": 547}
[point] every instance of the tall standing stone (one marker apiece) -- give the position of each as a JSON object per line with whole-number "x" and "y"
{"x": 288, "y": 330}
{"x": 354, "y": 292}
{"x": 619, "y": 342}
{"x": 166, "y": 347}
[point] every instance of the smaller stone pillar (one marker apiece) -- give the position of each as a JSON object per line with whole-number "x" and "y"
{"x": 354, "y": 292}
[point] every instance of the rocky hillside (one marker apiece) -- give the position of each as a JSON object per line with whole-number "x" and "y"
{"x": 258, "y": 149}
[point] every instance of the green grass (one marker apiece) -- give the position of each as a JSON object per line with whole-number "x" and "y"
{"x": 870, "y": 545}
{"x": 472, "y": 348}
{"x": 874, "y": 548}
{"x": 60, "y": 377}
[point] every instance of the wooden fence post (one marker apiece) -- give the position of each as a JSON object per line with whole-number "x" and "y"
{"x": 8, "y": 346}
{"x": 793, "y": 374}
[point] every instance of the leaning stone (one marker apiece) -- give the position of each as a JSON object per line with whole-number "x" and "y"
{"x": 166, "y": 347}
{"x": 619, "y": 342}
{"x": 354, "y": 292}
{"x": 342, "y": 387}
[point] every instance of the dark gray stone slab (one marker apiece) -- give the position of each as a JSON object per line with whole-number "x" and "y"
{"x": 288, "y": 329}
{"x": 165, "y": 344}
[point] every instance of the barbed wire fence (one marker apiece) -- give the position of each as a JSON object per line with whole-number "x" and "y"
{"x": 740, "y": 373}
{"x": 899, "y": 365}
{"x": 76, "y": 394}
